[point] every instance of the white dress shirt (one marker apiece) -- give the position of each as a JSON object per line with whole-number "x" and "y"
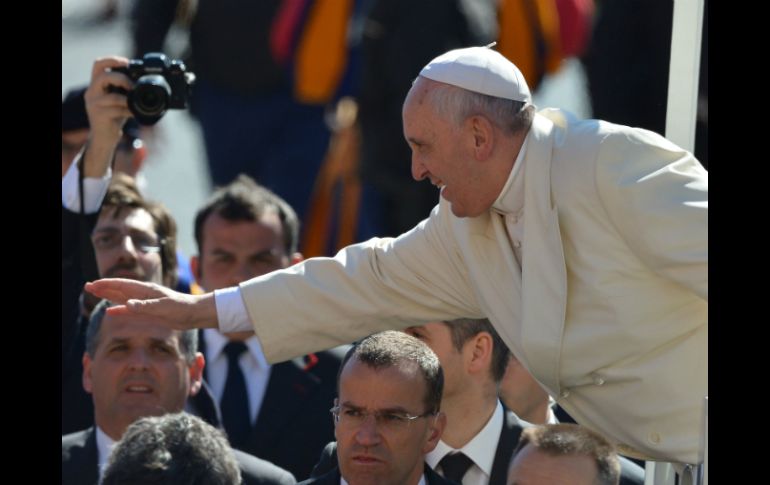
{"x": 253, "y": 364}
{"x": 94, "y": 189}
{"x": 481, "y": 449}
{"x": 421, "y": 482}
{"x": 104, "y": 446}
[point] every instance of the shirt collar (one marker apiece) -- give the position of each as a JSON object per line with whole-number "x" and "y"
{"x": 421, "y": 482}
{"x": 215, "y": 343}
{"x": 481, "y": 449}
{"x": 104, "y": 445}
{"x": 511, "y": 198}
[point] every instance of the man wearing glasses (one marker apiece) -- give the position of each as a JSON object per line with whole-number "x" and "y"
{"x": 387, "y": 415}
{"x": 133, "y": 238}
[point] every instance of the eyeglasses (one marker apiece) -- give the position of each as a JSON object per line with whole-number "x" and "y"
{"x": 107, "y": 240}
{"x": 386, "y": 420}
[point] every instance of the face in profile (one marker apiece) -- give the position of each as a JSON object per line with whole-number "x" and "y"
{"x": 438, "y": 336}
{"x": 137, "y": 370}
{"x": 443, "y": 153}
{"x": 373, "y": 445}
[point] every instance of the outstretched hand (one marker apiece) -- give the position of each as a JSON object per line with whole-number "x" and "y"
{"x": 157, "y": 303}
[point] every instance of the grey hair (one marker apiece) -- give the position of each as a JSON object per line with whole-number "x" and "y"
{"x": 458, "y": 104}
{"x": 188, "y": 339}
{"x": 175, "y": 449}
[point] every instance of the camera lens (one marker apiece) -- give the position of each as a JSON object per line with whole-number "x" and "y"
{"x": 148, "y": 101}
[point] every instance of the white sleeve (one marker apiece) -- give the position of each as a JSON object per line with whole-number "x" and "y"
{"x": 94, "y": 189}
{"x": 231, "y": 312}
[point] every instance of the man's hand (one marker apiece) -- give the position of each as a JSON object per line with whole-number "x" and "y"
{"x": 156, "y": 303}
{"x": 107, "y": 112}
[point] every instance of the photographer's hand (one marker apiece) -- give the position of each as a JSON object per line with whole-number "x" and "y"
{"x": 107, "y": 112}
{"x": 156, "y": 303}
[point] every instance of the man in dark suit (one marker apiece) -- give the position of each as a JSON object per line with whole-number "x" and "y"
{"x": 480, "y": 436}
{"x": 387, "y": 415}
{"x": 479, "y": 426}
{"x": 277, "y": 412}
{"x": 475, "y": 362}
{"x": 135, "y": 369}
{"x": 114, "y": 232}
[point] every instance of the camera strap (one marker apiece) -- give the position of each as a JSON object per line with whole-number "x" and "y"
{"x": 87, "y": 257}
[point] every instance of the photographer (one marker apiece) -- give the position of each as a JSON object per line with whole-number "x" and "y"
{"x": 125, "y": 235}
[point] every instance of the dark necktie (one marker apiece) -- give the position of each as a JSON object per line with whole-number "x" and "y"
{"x": 455, "y": 465}
{"x": 235, "y": 399}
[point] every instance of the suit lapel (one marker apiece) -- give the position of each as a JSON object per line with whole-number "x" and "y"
{"x": 82, "y": 467}
{"x": 544, "y": 273}
{"x": 509, "y": 438}
{"x": 288, "y": 388}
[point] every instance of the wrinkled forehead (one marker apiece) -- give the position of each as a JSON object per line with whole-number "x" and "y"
{"x": 135, "y": 329}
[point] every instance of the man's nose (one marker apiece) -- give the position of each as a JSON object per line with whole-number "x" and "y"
{"x": 419, "y": 171}
{"x": 368, "y": 434}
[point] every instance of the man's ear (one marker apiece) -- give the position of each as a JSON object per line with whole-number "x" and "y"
{"x": 482, "y": 133}
{"x": 87, "y": 382}
{"x": 435, "y": 431}
{"x": 196, "y": 373}
{"x": 479, "y": 352}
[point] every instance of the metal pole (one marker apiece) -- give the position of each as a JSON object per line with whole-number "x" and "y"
{"x": 683, "y": 73}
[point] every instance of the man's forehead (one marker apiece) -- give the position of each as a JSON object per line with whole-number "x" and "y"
{"x": 129, "y": 217}
{"x": 217, "y": 230}
{"x": 404, "y": 374}
{"x": 130, "y": 327}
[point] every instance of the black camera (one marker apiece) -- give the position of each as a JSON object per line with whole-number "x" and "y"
{"x": 160, "y": 84}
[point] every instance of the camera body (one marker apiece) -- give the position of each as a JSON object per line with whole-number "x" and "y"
{"x": 160, "y": 84}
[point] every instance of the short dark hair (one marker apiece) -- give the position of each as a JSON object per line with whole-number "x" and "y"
{"x": 123, "y": 194}
{"x": 572, "y": 439}
{"x": 174, "y": 449}
{"x": 188, "y": 339}
{"x": 245, "y": 200}
{"x": 464, "y": 329}
{"x": 389, "y": 349}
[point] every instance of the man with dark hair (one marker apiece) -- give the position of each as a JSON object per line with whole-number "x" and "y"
{"x": 115, "y": 231}
{"x": 568, "y": 235}
{"x": 173, "y": 449}
{"x": 132, "y": 238}
{"x": 135, "y": 369}
{"x": 564, "y": 454}
{"x": 480, "y": 436}
{"x": 276, "y": 412}
{"x": 397, "y": 381}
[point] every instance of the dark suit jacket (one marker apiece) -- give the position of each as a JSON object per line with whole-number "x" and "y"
{"x": 333, "y": 476}
{"x": 630, "y": 473}
{"x": 293, "y": 424}
{"x": 77, "y": 408}
{"x": 79, "y": 463}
